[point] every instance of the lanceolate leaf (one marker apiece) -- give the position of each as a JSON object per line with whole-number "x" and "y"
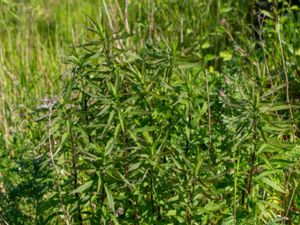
{"x": 82, "y": 188}
{"x": 271, "y": 184}
{"x": 110, "y": 199}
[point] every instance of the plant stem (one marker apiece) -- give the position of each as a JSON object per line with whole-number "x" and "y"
{"x": 126, "y": 16}
{"x": 210, "y": 147}
{"x": 62, "y": 205}
{"x": 75, "y": 174}
{"x": 287, "y": 84}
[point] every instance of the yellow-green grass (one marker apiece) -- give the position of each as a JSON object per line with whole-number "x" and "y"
{"x": 35, "y": 35}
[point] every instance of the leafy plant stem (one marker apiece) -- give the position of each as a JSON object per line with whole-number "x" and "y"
{"x": 291, "y": 200}
{"x": 210, "y": 147}
{"x": 58, "y": 184}
{"x": 286, "y": 85}
{"x": 75, "y": 173}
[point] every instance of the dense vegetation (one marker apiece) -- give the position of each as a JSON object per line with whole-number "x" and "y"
{"x": 149, "y": 112}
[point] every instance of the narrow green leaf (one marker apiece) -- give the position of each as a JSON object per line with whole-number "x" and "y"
{"x": 83, "y": 187}
{"x": 272, "y": 108}
{"x": 110, "y": 199}
{"x": 272, "y": 184}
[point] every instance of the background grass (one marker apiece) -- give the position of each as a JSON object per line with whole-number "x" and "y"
{"x": 148, "y": 112}
{"x": 35, "y": 36}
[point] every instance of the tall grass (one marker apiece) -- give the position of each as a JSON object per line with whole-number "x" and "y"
{"x": 35, "y": 35}
{"x": 167, "y": 113}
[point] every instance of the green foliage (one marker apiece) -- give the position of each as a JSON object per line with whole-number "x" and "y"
{"x": 166, "y": 115}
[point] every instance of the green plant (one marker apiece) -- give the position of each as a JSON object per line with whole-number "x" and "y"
{"x": 180, "y": 118}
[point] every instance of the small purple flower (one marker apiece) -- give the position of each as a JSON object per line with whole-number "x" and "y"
{"x": 48, "y": 103}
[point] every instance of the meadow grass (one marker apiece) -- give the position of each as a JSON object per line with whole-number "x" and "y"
{"x": 35, "y": 36}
